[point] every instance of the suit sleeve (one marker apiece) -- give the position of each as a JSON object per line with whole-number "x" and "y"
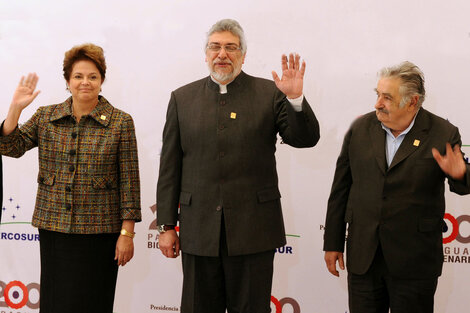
{"x": 459, "y": 187}
{"x": 297, "y": 129}
{"x": 169, "y": 178}
{"x": 335, "y": 226}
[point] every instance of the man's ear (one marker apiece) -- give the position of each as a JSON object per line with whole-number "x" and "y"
{"x": 414, "y": 102}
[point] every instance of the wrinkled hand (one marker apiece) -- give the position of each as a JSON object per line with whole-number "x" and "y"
{"x": 124, "y": 250}
{"x": 330, "y": 259}
{"x": 292, "y": 80}
{"x": 169, "y": 244}
{"x": 25, "y": 92}
{"x": 452, "y": 162}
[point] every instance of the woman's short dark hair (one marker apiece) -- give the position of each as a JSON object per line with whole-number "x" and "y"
{"x": 87, "y": 51}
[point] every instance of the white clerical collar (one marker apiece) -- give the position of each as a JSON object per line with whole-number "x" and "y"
{"x": 222, "y": 88}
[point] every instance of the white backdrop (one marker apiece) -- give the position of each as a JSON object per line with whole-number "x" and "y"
{"x": 153, "y": 47}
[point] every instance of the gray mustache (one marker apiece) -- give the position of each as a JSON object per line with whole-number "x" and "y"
{"x": 221, "y": 61}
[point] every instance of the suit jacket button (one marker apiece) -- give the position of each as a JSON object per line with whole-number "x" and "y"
{"x": 218, "y": 208}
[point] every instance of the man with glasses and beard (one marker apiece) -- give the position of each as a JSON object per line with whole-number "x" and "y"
{"x": 218, "y": 164}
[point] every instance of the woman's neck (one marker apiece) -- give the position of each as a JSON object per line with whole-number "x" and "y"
{"x": 80, "y": 109}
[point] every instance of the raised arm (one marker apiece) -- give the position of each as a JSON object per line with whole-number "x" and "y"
{"x": 24, "y": 94}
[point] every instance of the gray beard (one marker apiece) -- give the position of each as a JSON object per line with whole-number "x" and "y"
{"x": 222, "y": 77}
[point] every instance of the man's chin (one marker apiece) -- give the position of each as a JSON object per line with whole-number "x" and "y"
{"x": 222, "y": 76}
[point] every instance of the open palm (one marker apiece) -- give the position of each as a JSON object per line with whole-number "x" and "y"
{"x": 26, "y": 92}
{"x": 292, "y": 81}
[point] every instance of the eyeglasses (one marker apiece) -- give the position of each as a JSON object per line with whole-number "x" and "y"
{"x": 230, "y": 48}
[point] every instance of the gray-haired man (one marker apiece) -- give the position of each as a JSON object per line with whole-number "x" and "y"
{"x": 218, "y": 163}
{"x": 389, "y": 189}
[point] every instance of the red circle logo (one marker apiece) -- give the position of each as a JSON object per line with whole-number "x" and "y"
{"x": 16, "y": 294}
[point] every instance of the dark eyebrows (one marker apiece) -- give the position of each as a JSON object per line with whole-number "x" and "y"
{"x": 80, "y": 73}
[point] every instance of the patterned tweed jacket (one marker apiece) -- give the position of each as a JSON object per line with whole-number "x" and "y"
{"x": 88, "y": 171}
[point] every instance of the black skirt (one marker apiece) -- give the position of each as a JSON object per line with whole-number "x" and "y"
{"x": 78, "y": 272}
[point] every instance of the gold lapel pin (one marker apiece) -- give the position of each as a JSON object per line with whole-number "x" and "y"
{"x": 416, "y": 143}
{"x": 233, "y": 115}
{"x": 103, "y": 117}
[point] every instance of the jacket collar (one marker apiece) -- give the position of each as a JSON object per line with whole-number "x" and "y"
{"x": 101, "y": 113}
{"x": 413, "y": 140}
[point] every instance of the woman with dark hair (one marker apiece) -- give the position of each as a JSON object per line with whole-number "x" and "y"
{"x": 88, "y": 197}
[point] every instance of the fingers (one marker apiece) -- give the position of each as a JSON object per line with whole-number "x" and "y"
{"x": 21, "y": 81}
{"x": 34, "y": 81}
{"x": 30, "y": 81}
{"x": 284, "y": 62}
{"x": 35, "y": 94}
{"x": 332, "y": 268}
{"x": 169, "y": 244}
{"x": 457, "y": 151}
{"x": 448, "y": 149}
{"x": 275, "y": 76}
{"x": 291, "y": 61}
{"x": 124, "y": 257}
{"x": 124, "y": 250}
{"x": 341, "y": 262}
{"x": 296, "y": 62}
{"x": 437, "y": 156}
{"x": 170, "y": 253}
{"x": 302, "y": 69}
{"x": 330, "y": 260}
{"x": 177, "y": 248}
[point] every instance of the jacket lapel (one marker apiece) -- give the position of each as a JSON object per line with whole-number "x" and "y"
{"x": 377, "y": 136}
{"x": 414, "y": 139}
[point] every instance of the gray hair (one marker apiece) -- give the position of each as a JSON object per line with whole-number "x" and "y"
{"x": 228, "y": 25}
{"x": 412, "y": 81}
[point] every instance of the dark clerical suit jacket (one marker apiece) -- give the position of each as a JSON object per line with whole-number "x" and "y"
{"x": 218, "y": 158}
{"x": 401, "y": 206}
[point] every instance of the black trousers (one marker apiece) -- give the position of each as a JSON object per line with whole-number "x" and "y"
{"x": 78, "y": 272}
{"x": 377, "y": 291}
{"x": 238, "y": 284}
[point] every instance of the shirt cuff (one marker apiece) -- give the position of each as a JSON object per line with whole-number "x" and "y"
{"x": 297, "y": 103}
